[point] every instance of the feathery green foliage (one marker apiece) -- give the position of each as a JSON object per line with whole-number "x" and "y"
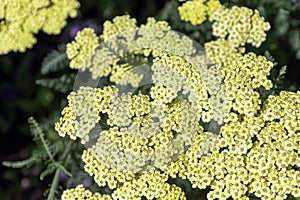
{"x": 55, "y": 60}
{"x": 61, "y": 84}
{"x": 53, "y": 66}
{"x": 20, "y": 164}
{"x": 39, "y": 136}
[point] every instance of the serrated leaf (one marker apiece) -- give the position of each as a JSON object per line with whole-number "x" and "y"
{"x": 61, "y": 84}
{"x": 55, "y": 61}
{"x": 39, "y": 135}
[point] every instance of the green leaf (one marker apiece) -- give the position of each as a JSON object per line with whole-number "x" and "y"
{"x": 19, "y": 164}
{"x": 49, "y": 170}
{"x": 281, "y": 21}
{"x": 39, "y": 136}
{"x": 282, "y": 71}
{"x": 270, "y": 57}
{"x": 52, "y": 167}
{"x": 62, "y": 168}
{"x": 55, "y": 61}
{"x": 61, "y": 84}
{"x": 294, "y": 40}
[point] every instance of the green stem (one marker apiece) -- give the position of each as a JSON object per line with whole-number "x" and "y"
{"x": 54, "y": 185}
{"x": 57, "y": 173}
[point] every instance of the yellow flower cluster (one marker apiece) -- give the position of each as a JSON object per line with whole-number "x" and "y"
{"x": 183, "y": 58}
{"x": 259, "y": 154}
{"x": 150, "y": 184}
{"x": 77, "y": 51}
{"x": 274, "y": 158}
{"x": 240, "y": 25}
{"x": 196, "y": 11}
{"x": 118, "y": 25}
{"x": 151, "y": 136}
{"x": 21, "y": 19}
{"x": 82, "y": 113}
{"x": 221, "y": 53}
{"x": 80, "y": 193}
{"x": 242, "y": 75}
{"x": 104, "y": 57}
{"x": 285, "y": 109}
{"x": 178, "y": 75}
{"x": 102, "y": 174}
{"x": 146, "y": 134}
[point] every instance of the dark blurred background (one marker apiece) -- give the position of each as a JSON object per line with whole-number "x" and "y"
{"x": 21, "y": 98}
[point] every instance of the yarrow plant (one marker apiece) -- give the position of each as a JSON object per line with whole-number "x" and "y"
{"x": 239, "y": 160}
{"x": 151, "y": 106}
{"x": 21, "y": 19}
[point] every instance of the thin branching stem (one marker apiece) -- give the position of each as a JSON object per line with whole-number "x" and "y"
{"x": 55, "y": 181}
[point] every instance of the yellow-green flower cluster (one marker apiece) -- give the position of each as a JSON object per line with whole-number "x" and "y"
{"x": 150, "y": 184}
{"x": 242, "y": 74}
{"x": 250, "y": 72}
{"x": 82, "y": 113}
{"x": 240, "y": 25}
{"x": 135, "y": 127}
{"x": 274, "y": 159}
{"x": 21, "y": 19}
{"x": 221, "y": 53}
{"x": 80, "y": 193}
{"x": 77, "y": 51}
{"x": 152, "y": 136}
{"x": 197, "y": 11}
{"x": 104, "y": 57}
{"x": 173, "y": 74}
{"x": 285, "y": 109}
{"x": 103, "y": 175}
{"x": 140, "y": 134}
{"x": 258, "y": 155}
{"x": 182, "y": 59}
{"x": 118, "y": 25}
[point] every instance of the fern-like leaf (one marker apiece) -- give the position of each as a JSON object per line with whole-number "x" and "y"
{"x": 270, "y": 57}
{"x": 51, "y": 167}
{"x": 19, "y": 164}
{"x": 57, "y": 165}
{"x": 39, "y": 135}
{"x": 62, "y": 84}
{"x": 55, "y": 60}
{"x": 49, "y": 170}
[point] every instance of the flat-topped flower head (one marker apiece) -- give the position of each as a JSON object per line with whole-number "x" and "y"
{"x": 79, "y": 50}
{"x": 80, "y": 193}
{"x": 21, "y": 19}
{"x": 170, "y": 111}
{"x": 197, "y": 11}
{"x": 240, "y": 25}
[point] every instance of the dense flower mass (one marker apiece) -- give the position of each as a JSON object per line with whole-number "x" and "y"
{"x": 85, "y": 43}
{"x": 243, "y": 74}
{"x": 200, "y": 118}
{"x": 196, "y": 11}
{"x": 80, "y": 193}
{"x": 240, "y": 25}
{"x": 21, "y": 19}
{"x": 259, "y": 154}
